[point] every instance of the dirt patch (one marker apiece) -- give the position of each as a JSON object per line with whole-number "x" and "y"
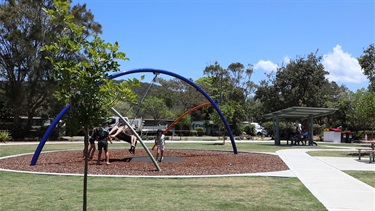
{"x": 175, "y": 162}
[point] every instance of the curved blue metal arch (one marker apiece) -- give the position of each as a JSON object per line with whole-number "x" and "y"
{"x": 141, "y": 70}
{"x": 47, "y": 134}
{"x": 214, "y": 104}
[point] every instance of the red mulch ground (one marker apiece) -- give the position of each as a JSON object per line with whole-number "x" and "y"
{"x": 176, "y": 162}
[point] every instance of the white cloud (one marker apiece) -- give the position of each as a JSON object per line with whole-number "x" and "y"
{"x": 342, "y": 67}
{"x": 266, "y": 65}
{"x": 286, "y": 60}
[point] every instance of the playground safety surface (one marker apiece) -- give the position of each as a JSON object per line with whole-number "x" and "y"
{"x": 175, "y": 162}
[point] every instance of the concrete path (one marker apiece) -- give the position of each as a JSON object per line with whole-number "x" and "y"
{"x": 336, "y": 190}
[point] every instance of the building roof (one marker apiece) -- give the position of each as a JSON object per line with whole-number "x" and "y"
{"x": 300, "y": 112}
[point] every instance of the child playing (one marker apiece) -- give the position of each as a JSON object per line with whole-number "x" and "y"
{"x": 92, "y": 147}
{"x": 92, "y": 139}
{"x": 103, "y": 134}
{"x": 123, "y": 132}
{"x": 159, "y": 142}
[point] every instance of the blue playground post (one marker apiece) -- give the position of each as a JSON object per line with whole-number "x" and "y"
{"x": 47, "y": 134}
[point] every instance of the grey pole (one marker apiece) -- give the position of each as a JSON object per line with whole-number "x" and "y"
{"x": 139, "y": 138}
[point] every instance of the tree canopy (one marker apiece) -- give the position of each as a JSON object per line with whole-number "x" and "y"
{"x": 302, "y": 82}
{"x": 84, "y": 82}
{"x": 231, "y": 87}
{"x": 367, "y": 62}
{"x": 28, "y": 76}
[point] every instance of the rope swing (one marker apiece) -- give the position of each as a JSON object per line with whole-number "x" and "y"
{"x": 144, "y": 96}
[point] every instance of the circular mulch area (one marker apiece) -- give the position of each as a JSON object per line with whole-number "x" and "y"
{"x": 175, "y": 163}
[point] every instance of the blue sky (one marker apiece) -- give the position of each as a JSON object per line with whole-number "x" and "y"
{"x": 185, "y": 36}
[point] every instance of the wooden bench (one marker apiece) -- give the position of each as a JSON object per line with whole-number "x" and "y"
{"x": 365, "y": 150}
{"x": 297, "y": 141}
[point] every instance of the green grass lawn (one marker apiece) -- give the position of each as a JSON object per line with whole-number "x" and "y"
{"x": 22, "y": 191}
{"x": 41, "y": 192}
{"x": 367, "y": 177}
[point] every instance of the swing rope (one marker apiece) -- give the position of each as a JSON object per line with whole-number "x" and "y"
{"x": 152, "y": 82}
{"x": 144, "y": 96}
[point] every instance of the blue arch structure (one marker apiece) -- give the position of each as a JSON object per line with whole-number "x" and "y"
{"x": 47, "y": 133}
{"x": 141, "y": 70}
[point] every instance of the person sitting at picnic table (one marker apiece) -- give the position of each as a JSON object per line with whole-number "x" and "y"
{"x": 293, "y": 137}
{"x": 305, "y": 137}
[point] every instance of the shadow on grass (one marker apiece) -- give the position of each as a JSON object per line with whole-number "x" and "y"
{"x": 213, "y": 144}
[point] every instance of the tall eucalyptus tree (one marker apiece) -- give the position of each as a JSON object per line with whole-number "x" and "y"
{"x": 28, "y": 81}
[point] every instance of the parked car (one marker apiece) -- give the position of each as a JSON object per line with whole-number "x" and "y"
{"x": 259, "y": 130}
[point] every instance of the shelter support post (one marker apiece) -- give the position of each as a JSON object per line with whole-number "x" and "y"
{"x": 311, "y": 131}
{"x": 276, "y": 122}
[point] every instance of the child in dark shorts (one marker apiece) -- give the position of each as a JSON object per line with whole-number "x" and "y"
{"x": 92, "y": 139}
{"x": 103, "y": 134}
{"x": 124, "y": 137}
{"x": 92, "y": 146}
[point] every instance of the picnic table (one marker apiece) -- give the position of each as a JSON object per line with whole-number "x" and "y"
{"x": 372, "y": 142}
{"x": 370, "y": 151}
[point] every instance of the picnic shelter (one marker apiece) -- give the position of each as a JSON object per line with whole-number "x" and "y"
{"x": 301, "y": 113}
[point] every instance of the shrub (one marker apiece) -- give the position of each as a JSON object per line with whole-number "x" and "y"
{"x": 250, "y": 130}
{"x": 199, "y": 131}
{"x": 193, "y": 133}
{"x": 4, "y": 136}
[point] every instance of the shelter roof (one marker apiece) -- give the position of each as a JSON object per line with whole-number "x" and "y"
{"x": 301, "y": 112}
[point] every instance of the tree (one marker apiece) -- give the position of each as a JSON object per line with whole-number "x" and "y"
{"x": 228, "y": 111}
{"x": 254, "y": 111}
{"x": 362, "y": 114}
{"x": 367, "y": 62}
{"x": 5, "y": 110}
{"x": 84, "y": 82}
{"x": 339, "y": 97}
{"x": 156, "y": 108}
{"x": 241, "y": 78}
{"x": 234, "y": 88}
{"x": 218, "y": 75}
{"x": 183, "y": 125}
{"x": 205, "y": 83}
{"x": 241, "y": 93}
{"x": 179, "y": 94}
{"x": 299, "y": 83}
{"x": 24, "y": 29}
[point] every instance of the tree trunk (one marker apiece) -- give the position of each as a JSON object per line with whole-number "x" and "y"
{"x": 86, "y": 153}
